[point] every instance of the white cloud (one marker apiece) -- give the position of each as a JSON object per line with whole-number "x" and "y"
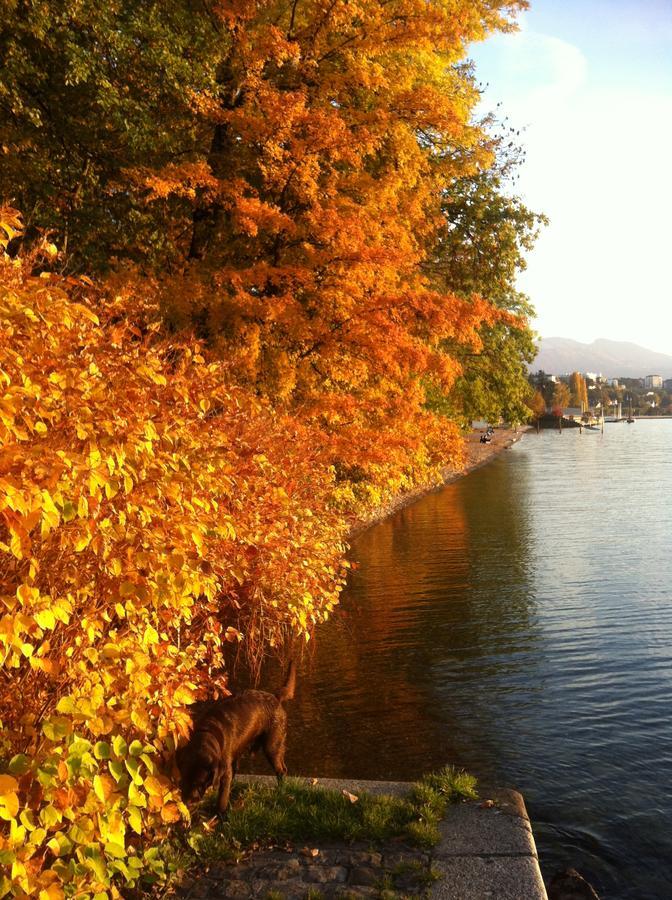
{"x": 542, "y": 72}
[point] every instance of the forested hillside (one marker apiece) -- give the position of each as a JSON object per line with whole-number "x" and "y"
{"x": 258, "y": 270}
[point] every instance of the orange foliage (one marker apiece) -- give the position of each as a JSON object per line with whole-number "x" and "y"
{"x": 149, "y": 514}
{"x": 337, "y": 132}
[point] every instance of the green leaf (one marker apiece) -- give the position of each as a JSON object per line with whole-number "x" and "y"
{"x": 149, "y": 762}
{"x": 133, "y": 766}
{"x": 120, "y": 866}
{"x": 46, "y": 775}
{"x": 37, "y": 836}
{"x": 74, "y": 764}
{"x": 69, "y": 511}
{"x": 82, "y": 831}
{"x": 117, "y": 769}
{"x": 56, "y": 728}
{"x": 50, "y": 816}
{"x": 102, "y": 750}
{"x": 79, "y": 747}
{"x": 135, "y": 749}
{"x": 119, "y": 745}
{"x": 116, "y": 851}
{"x": 59, "y": 844}
{"x": 27, "y": 819}
{"x": 95, "y": 861}
{"x": 19, "y": 764}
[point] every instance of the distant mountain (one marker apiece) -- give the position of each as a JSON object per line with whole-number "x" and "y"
{"x": 613, "y": 359}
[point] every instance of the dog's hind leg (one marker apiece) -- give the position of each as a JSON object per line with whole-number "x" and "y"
{"x": 274, "y": 750}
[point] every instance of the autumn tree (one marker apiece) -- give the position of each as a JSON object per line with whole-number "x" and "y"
{"x": 561, "y": 395}
{"x": 537, "y": 406}
{"x": 578, "y": 391}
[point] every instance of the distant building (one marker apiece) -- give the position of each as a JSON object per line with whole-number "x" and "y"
{"x": 593, "y": 376}
{"x": 614, "y": 382}
{"x": 667, "y": 384}
{"x": 653, "y": 381}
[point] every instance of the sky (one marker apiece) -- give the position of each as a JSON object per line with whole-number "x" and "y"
{"x": 589, "y": 82}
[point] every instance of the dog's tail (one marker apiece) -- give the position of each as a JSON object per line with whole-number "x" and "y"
{"x": 286, "y": 692}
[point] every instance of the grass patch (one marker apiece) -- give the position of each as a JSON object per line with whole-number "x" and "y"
{"x": 296, "y": 812}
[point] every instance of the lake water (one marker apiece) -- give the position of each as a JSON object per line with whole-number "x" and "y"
{"x": 518, "y": 623}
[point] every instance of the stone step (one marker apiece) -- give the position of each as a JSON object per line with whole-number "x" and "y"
{"x": 486, "y": 850}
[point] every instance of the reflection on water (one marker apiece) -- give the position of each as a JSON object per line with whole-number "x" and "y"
{"x": 518, "y": 623}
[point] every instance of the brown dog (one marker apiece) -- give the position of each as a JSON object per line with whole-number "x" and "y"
{"x": 225, "y": 730}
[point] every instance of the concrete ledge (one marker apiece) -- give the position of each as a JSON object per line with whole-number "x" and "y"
{"x": 487, "y": 848}
{"x": 478, "y": 877}
{"x": 354, "y": 786}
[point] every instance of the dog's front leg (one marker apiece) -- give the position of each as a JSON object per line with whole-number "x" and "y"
{"x": 226, "y": 779}
{"x": 217, "y": 778}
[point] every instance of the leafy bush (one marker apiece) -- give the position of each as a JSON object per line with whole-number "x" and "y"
{"x": 150, "y": 513}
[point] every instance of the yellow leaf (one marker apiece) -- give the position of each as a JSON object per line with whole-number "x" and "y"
{"x": 183, "y": 695}
{"x": 50, "y": 515}
{"x": 53, "y": 892}
{"x": 156, "y": 787}
{"x": 151, "y": 636}
{"x": 45, "y": 618}
{"x": 104, "y": 786}
{"x": 82, "y": 543}
{"x": 15, "y": 545}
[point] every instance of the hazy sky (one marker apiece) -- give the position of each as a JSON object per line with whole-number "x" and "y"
{"x": 591, "y": 83}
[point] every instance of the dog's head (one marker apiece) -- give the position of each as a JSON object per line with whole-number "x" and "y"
{"x": 197, "y": 772}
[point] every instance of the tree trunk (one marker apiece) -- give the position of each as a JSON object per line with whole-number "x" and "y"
{"x": 208, "y": 217}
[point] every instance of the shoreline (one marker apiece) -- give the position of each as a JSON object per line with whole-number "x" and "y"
{"x": 476, "y": 455}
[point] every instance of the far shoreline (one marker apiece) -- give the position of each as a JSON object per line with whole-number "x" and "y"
{"x": 476, "y": 455}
